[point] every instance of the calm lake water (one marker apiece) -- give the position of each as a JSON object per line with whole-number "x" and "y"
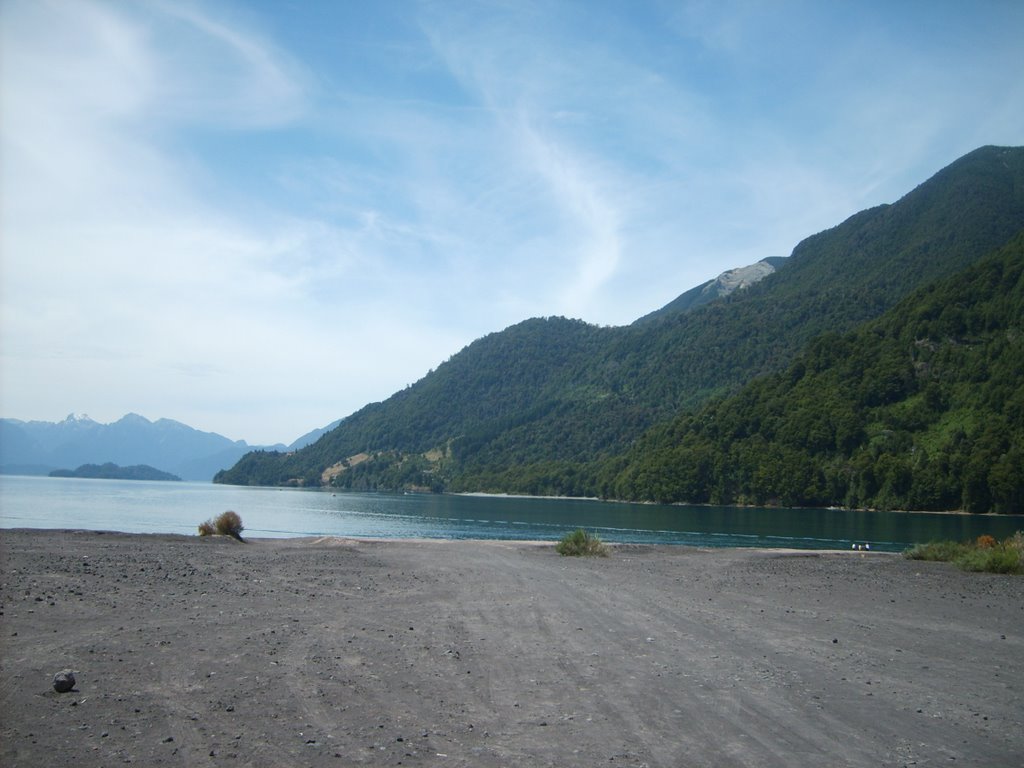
{"x": 158, "y": 507}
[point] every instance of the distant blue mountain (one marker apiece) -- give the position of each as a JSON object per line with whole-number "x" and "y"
{"x": 311, "y": 437}
{"x": 38, "y": 447}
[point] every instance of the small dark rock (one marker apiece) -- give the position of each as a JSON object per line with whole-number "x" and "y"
{"x": 64, "y": 681}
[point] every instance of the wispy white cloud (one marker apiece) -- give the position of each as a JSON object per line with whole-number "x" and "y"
{"x": 117, "y": 265}
{"x": 591, "y": 221}
{"x": 555, "y": 121}
{"x": 214, "y": 73}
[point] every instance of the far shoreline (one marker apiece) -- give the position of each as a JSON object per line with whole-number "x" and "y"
{"x": 543, "y": 497}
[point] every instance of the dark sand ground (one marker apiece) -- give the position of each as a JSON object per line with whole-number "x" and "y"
{"x": 207, "y": 652}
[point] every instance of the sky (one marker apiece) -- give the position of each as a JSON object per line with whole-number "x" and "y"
{"x": 257, "y": 217}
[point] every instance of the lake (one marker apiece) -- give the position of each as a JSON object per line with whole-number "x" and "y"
{"x": 167, "y": 507}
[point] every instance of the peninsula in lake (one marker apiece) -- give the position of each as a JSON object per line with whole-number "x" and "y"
{"x": 111, "y": 471}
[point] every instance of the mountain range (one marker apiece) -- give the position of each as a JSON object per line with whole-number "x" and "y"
{"x": 39, "y": 447}
{"x": 558, "y": 406}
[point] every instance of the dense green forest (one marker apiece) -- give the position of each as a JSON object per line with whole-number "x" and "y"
{"x": 558, "y": 406}
{"x": 921, "y": 409}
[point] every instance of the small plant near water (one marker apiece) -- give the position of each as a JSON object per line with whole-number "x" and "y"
{"x": 226, "y": 524}
{"x": 581, "y": 543}
{"x": 983, "y": 554}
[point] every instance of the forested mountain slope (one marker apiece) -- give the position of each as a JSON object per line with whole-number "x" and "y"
{"x": 921, "y": 409}
{"x": 551, "y": 395}
{"x": 515, "y": 376}
{"x": 835, "y": 280}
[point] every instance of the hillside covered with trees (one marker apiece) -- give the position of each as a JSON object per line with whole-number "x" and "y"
{"x": 558, "y": 406}
{"x": 921, "y": 409}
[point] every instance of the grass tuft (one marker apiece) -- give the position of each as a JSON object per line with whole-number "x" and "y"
{"x": 581, "y": 543}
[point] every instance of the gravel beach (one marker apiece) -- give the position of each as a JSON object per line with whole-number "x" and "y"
{"x": 330, "y": 652}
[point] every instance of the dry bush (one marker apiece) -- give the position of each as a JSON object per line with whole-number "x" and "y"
{"x": 229, "y": 524}
{"x": 225, "y": 524}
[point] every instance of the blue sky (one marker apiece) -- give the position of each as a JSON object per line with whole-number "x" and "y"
{"x": 257, "y": 217}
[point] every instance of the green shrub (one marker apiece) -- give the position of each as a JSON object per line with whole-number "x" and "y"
{"x": 997, "y": 559}
{"x": 938, "y": 551}
{"x": 226, "y": 524}
{"x": 983, "y": 554}
{"x": 581, "y": 543}
{"x": 1016, "y": 542}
